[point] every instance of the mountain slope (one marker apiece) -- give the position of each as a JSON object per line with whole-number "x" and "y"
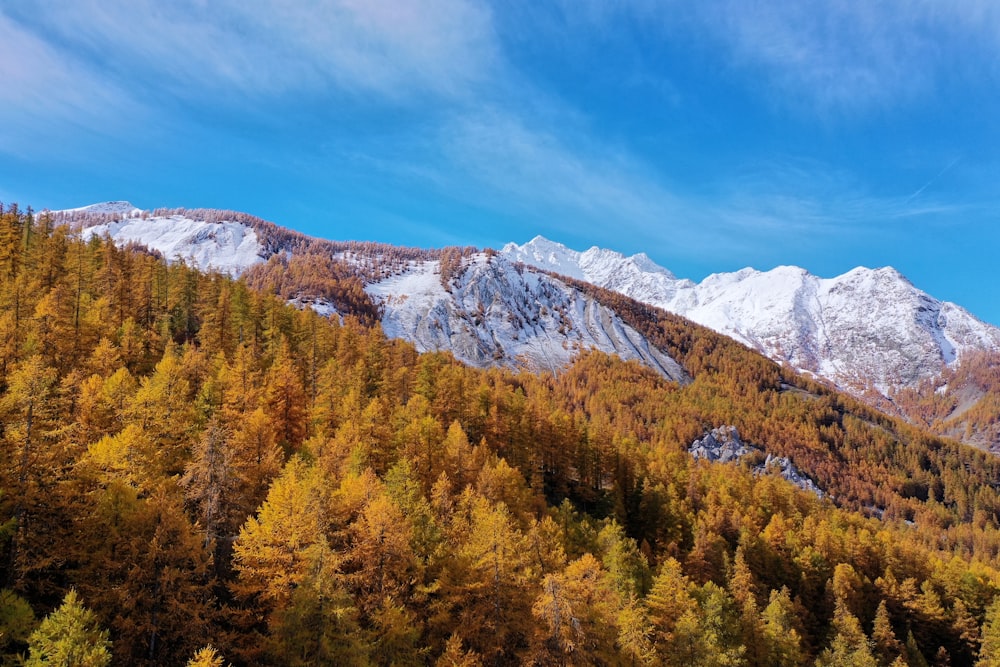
{"x": 493, "y": 314}
{"x": 868, "y": 329}
{"x": 485, "y": 311}
{"x": 180, "y": 447}
{"x": 226, "y": 246}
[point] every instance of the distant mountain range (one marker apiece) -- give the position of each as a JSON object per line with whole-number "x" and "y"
{"x": 868, "y": 331}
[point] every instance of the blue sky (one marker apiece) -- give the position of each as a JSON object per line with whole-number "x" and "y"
{"x": 712, "y": 135}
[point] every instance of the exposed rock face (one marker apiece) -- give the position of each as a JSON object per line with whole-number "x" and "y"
{"x": 723, "y": 445}
{"x": 494, "y": 313}
{"x": 491, "y": 312}
{"x": 868, "y": 329}
{"x": 788, "y": 471}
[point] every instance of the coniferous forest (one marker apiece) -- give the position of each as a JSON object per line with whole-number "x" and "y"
{"x": 195, "y": 472}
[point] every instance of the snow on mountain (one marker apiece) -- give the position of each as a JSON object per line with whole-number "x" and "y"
{"x": 868, "y": 328}
{"x": 492, "y": 314}
{"x": 123, "y": 208}
{"x": 596, "y": 265}
{"x": 495, "y": 314}
{"x": 227, "y": 247}
{"x": 546, "y": 255}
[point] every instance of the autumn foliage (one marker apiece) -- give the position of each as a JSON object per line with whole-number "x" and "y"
{"x": 204, "y": 473}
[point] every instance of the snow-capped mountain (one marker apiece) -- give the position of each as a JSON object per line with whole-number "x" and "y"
{"x": 490, "y": 313}
{"x": 866, "y": 329}
{"x": 225, "y": 246}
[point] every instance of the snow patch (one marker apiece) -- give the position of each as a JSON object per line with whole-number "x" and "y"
{"x": 319, "y": 306}
{"x": 227, "y": 247}
{"x": 497, "y": 314}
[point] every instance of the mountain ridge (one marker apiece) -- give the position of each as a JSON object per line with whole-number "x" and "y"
{"x": 186, "y": 440}
{"x": 477, "y": 305}
{"x": 867, "y": 329}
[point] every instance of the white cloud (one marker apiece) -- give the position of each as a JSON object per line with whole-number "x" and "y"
{"x": 580, "y": 182}
{"x": 391, "y": 47}
{"x": 848, "y": 56}
{"x": 43, "y": 93}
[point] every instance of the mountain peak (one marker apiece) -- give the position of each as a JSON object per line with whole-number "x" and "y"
{"x": 883, "y": 274}
{"x": 593, "y": 265}
{"x": 645, "y": 263}
{"x": 124, "y": 208}
{"x": 547, "y": 255}
{"x": 865, "y": 328}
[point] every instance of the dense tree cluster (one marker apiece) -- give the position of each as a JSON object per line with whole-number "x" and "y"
{"x": 304, "y": 267}
{"x": 314, "y": 276}
{"x": 192, "y": 470}
{"x": 963, "y": 403}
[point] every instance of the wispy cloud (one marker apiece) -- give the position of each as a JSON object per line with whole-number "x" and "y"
{"x": 583, "y": 187}
{"x": 919, "y": 191}
{"x": 851, "y": 56}
{"x": 44, "y": 94}
{"x": 811, "y": 198}
{"x": 261, "y": 48}
{"x": 79, "y": 72}
{"x": 582, "y": 182}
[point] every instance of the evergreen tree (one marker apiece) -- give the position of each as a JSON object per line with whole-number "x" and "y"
{"x": 487, "y": 578}
{"x": 672, "y": 611}
{"x": 849, "y": 647}
{"x": 579, "y": 608}
{"x": 454, "y": 656}
{"x": 989, "y": 649}
{"x": 16, "y": 622}
{"x": 270, "y": 552}
{"x": 285, "y": 399}
{"x": 635, "y": 634}
{"x": 781, "y": 636}
{"x": 626, "y": 565}
{"x": 319, "y": 626}
{"x": 887, "y": 647}
{"x": 206, "y": 657}
{"x": 33, "y": 459}
{"x": 69, "y": 637}
{"x": 211, "y": 486}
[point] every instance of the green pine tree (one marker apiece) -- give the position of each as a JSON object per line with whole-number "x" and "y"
{"x": 69, "y": 637}
{"x": 989, "y": 651}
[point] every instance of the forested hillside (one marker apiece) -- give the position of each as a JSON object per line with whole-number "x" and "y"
{"x": 963, "y": 403}
{"x": 193, "y": 470}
